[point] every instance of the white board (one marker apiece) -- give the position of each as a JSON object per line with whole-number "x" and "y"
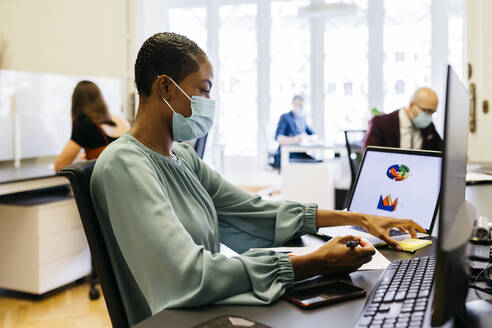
{"x": 43, "y": 104}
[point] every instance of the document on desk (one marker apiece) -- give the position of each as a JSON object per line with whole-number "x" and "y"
{"x": 478, "y": 177}
{"x": 378, "y": 261}
{"x": 227, "y": 252}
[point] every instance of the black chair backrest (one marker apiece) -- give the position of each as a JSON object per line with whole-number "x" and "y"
{"x": 354, "y": 141}
{"x": 124, "y": 300}
{"x": 200, "y": 145}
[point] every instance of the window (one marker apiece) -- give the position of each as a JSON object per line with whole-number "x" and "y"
{"x": 400, "y": 87}
{"x": 404, "y": 51}
{"x": 407, "y": 30}
{"x": 346, "y": 65}
{"x": 455, "y": 37}
{"x": 238, "y": 78}
{"x": 191, "y": 22}
{"x": 290, "y": 61}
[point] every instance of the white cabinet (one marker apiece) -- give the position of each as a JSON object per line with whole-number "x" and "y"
{"x": 42, "y": 243}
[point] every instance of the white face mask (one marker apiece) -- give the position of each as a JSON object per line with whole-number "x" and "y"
{"x": 422, "y": 120}
{"x": 299, "y": 110}
{"x": 200, "y": 121}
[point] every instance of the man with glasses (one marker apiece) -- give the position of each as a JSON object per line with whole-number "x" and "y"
{"x": 409, "y": 127}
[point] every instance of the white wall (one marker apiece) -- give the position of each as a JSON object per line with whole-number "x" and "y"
{"x": 479, "y": 54}
{"x": 64, "y": 36}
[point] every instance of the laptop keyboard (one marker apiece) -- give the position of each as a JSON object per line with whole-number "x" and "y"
{"x": 401, "y": 295}
{"x": 391, "y": 233}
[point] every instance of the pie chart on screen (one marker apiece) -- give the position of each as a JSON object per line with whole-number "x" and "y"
{"x": 398, "y": 172}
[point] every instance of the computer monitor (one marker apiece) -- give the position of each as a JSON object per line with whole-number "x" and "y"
{"x": 387, "y": 181}
{"x": 452, "y": 273}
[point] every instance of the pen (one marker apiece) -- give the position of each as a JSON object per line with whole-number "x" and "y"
{"x": 352, "y": 243}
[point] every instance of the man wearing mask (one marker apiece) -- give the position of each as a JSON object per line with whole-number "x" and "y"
{"x": 410, "y": 127}
{"x": 290, "y": 130}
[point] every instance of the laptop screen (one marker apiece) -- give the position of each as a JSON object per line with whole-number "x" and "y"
{"x": 398, "y": 183}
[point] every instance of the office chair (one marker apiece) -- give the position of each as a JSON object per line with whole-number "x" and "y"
{"x": 200, "y": 145}
{"x": 124, "y": 300}
{"x": 354, "y": 141}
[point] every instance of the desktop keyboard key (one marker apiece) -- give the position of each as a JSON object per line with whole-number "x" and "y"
{"x": 389, "y": 296}
{"x": 384, "y": 308}
{"x": 424, "y": 293}
{"x": 412, "y": 295}
{"x": 400, "y": 296}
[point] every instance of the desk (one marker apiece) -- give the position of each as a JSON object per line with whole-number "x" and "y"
{"x": 283, "y": 314}
{"x": 42, "y": 242}
{"x": 479, "y": 192}
{"x": 301, "y": 148}
{"x": 313, "y": 182}
{"x": 34, "y": 174}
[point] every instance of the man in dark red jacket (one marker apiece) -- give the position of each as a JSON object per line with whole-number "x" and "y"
{"x": 409, "y": 127}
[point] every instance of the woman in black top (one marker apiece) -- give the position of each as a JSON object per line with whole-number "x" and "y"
{"x": 92, "y": 126}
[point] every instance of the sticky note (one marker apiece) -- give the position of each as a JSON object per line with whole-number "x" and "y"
{"x": 412, "y": 245}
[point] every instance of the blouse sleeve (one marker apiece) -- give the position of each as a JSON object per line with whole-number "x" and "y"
{"x": 170, "y": 268}
{"x": 248, "y": 221}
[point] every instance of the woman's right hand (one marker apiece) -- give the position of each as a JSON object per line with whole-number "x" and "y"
{"x": 333, "y": 258}
{"x": 336, "y": 258}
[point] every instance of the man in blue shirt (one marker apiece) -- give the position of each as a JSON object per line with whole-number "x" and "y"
{"x": 290, "y": 130}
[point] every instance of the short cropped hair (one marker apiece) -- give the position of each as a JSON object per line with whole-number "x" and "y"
{"x": 297, "y": 97}
{"x": 166, "y": 53}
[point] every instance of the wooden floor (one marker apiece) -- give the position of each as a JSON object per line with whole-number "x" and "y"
{"x": 64, "y": 308}
{"x": 69, "y": 307}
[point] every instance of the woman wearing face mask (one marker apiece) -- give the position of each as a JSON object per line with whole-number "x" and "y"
{"x": 169, "y": 211}
{"x": 93, "y": 128}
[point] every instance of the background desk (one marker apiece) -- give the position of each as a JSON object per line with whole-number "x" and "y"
{"x": 34, "y": 174}
{"x": 479, "y": 192}
{"x": 283, "y": 314}
{"x": 42, "y": 242}
{"x": 313, "y": 182}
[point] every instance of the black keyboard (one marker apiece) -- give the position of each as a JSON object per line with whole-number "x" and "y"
{"x": 401, "y": 296}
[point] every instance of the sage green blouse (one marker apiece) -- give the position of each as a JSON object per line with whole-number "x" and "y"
{"x": 169, "y": 217}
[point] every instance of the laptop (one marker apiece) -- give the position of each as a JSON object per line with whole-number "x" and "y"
{"x": 399, "y": 183}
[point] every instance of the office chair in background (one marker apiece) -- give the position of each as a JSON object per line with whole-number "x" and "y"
{"x": 124, "y": 299}
{"x": 199, "y": 145}
{"x": 354, "y": 141}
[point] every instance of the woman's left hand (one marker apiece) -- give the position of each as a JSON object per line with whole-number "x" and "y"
{"x": 379, "y": 226}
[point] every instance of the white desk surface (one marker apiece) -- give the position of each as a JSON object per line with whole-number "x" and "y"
{"x": 281, "y": 313}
